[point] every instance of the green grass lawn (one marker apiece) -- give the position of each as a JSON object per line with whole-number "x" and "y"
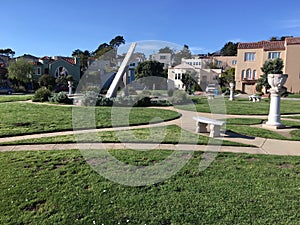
{"x": 240, "y": 106}
{"x": 241, "y": 126}
{"x": 171, "y": 134}
{"x": 13, "y": 98}
{"x": 59, "y": 187}
{"x": 293, "y": 96}
{"x": 27, "y": 118}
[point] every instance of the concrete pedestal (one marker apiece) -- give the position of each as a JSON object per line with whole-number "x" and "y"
{"x": 274, "y": 120}
{"x": 231, "y": 96}
{"x": 70, "y": 85}
{"x": 276, "y": 81}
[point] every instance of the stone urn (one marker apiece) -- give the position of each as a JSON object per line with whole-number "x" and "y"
{"x": 231, "y": 87}
{"x": 276, "y": 81}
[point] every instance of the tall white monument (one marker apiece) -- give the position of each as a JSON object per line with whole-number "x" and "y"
{"x": 114, "y": 85}
{"x": 276, "y": 82}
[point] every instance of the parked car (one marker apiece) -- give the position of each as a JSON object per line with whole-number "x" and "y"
{"x": 6, "y": 90}
{"x": 210, "y": 88}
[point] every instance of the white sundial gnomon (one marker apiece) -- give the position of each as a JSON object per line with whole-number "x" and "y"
{"x": 98, "y": 155}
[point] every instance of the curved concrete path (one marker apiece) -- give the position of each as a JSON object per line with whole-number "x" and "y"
{"x": 263, "y": 145}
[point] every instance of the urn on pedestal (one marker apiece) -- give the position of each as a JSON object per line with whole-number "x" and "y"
{"x": 276, "y": 81}
{"x": 231, "y": 87}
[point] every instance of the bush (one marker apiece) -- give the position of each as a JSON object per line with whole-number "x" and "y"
{"x": 103, "y": 101}
{"x": 170, "y": 92}
{"x": 179, "y": 97}
{"x": 89, "y": 98}
{"x": 61, "y": 97}
{"x": 132, "y": 91}
{"x": 47, "y": 81}
{"x": 42, "y": 95}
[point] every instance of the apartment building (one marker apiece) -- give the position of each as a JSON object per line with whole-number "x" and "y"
{"x": 199, "y": 63}
{"x": 251, "y": 57}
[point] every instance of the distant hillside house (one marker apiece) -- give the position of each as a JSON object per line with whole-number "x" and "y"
{"x": 205, "y": 76}
{"x": 165, "y": 58}
{"x": 54, "y": 66}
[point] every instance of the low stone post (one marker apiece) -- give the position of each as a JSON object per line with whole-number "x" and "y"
{"x": 276, "y": 82}
{"x": 231, "y": 86}
{"x": 70, "y": 85}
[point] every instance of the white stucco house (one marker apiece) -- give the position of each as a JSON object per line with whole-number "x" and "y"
{"x": 205, "y": 76}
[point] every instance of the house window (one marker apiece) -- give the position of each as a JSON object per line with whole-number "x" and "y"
{"x": 162, "y": 57}
{"x": 233, "y": 62}
{"x": 38, "y": 71}
{"x": 175, "y": 76}
{"x": 248, "y": 74}
{"x": 61, "y": 71}
{"x": 274, "y": 55}
{"x": 219, "y": 63}
{"x": 249, "y": 56}
{"x": 254, "y": 74}
{"x": 243, "y": 74}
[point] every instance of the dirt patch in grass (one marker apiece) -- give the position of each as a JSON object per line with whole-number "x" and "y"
{"x": 285, "y": 166}
{"x": 252, "y": 159}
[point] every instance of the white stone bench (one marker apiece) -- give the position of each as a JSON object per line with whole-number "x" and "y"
{"x": 212, "y": 126}
{"x": 254, "y": 98}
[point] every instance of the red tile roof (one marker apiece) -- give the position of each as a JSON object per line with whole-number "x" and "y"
{"x": 293, "y": 41}
{"x": 274, "y": 45}
{"x": 266, "y": 45}
{"x": 69, "y": 60}
{"x": 270, "y": 45}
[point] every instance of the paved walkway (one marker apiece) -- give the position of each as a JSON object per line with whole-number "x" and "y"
{"x": 263, "y": 145}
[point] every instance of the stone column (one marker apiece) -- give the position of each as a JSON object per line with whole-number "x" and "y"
{"x": 276, "y": 82}
{"x": 231, "y": 86}
{"x": 70, "y": 85}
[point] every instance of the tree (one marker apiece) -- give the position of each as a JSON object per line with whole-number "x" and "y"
{"x": 148, "y": 69}
{"x": 62, "y": 82}
{"x": 47, "y": 81}
{"x": 117, "y": 41}
{"x": 184, "y": 53}
{"x": 109, "y": 51}
{"x": 227, "y": 77}
{"x": 7, "y": 52}
{"x": 229, "y": 49}
{"x": 20, "y": 70}
{"x": 83, "y": 58}
{"x": 269, "y": 67}
{"x": 166, "y": 50}
{"x": 189, "y": 80}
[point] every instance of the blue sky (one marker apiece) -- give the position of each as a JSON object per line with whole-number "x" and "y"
{"x": 58, "y": 27}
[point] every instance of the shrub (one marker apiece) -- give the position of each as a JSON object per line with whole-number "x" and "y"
{"x": 42, "y": 95}
{"x": 179, "y": 97}
{"x": 47, "y": 81}
{"x": 132, "y": 91}
{"x": 170, "y": 92}
{"x": 144, "y": 101}
{"x": 103, "y": 101}
{"x": 61, "y": 97}
{"x": 89, "y": 98}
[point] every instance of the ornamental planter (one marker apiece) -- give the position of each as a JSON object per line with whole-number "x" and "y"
{"x": 276, "y": 81}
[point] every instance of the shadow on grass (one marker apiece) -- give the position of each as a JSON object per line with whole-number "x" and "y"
{"x": 231, "y": 134}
